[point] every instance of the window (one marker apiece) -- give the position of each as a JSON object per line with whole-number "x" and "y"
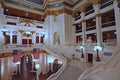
{"x": 14, "y": 39}
{"x": 37, "y": 39}
{"x": 8, "y": 39}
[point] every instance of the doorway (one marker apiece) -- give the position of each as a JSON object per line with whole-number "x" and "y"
{"x": 90, "y": 57}
{"x": 26, "y": 41}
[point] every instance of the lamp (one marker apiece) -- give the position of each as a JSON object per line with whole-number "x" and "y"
{"x": 37, "y": 66}
{"x": 81, "y": 48}
{"x": 97, "y": 49}
{"x": 5, "y": 31}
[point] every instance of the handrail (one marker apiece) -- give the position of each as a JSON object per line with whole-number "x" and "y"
{"x": 57, "y": 74}
{"x": 108, "y": 22}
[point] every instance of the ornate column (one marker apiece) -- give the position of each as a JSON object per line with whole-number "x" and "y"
{"x": 1, "y": 15}
{"x": 117, "y": 19}
{"x": 83, "y": 32}
{"x": 11, "y": 37}
{"x": 43, "y": 63}
{"x": 20, "y": 36}
{"x": 98, "y": 24}
{"x": 51, "y": 20}
{"x": 83, "y": 29}
{"x": 0, "y": 68}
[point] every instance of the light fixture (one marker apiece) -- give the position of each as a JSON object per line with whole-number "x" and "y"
{"x": 37, "y": 66}
{"x": 6, "y": 10}
{"x": 97, "y": 49}
{"x": 28, "y": 32}
{"x": 26, "y": 14}
{"x": 4, "y": 29}
{"x": 82, "y": 53}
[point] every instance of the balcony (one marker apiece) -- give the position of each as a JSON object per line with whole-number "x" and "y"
{"x": 89, "y": 12}
{"x": 110, "y": 42}
{"x": 78, "y": 17}
{"x": 90, "y": 28}
{"x": 107, "y": 24}
{"x": 108, "y": 3}
{"x": 78, "y": 31}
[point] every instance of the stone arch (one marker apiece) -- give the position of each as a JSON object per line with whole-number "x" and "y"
{"x": 24, "y": 34}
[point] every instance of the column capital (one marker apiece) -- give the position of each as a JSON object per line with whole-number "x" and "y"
{"x": 83, "y": 21}
{"x": 98, "y": 15}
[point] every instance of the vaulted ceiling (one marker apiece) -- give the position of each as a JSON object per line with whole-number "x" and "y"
{"x": 39, "y": 2}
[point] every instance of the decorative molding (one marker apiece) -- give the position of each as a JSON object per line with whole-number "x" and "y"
{"x": 83, "y": 6}
{"x": 21, "y": 31}
{"x": 57, "y": 12}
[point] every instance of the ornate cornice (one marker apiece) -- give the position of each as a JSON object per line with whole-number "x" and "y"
{"x": 57, "y": 12}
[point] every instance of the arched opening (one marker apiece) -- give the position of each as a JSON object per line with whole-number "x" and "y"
{"x": 26, "y": 38}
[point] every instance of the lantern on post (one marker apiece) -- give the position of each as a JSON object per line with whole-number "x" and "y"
{"x": 97, "y": 49}
{"x": 82, "y": 53}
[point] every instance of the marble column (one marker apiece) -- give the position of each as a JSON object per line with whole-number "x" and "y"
{"x": 43, "y": 63}
{"x": 83, "y": 29}
{"x": 19, "y": 38}
{"x": 11, "y": 36}
{"x": 1, "y": 15}
{"x": 117, "y": 19}
{"x": 51, "y": 18}
{"x": 0, "y": 68}
{"x": 83, "y": 32}
{"x": 98, "y": 24}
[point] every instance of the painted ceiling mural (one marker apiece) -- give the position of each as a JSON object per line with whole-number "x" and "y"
{"x": 40, "y": 2}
